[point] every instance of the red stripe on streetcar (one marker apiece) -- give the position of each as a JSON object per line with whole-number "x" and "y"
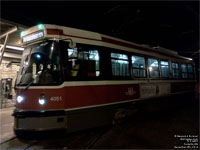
{"x": 55, "y": 31}
{"x": 107, "y": 40}
{"x": 60, "y": 32}
{"x": 104, "y": 39}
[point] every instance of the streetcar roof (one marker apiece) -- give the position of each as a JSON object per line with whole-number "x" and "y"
{"x": 48, "y": 31}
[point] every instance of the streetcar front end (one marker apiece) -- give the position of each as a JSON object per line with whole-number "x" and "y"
{"x": 39, "y": 96}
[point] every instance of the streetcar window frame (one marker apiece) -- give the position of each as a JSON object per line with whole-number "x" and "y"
{"x": 138, "y": 68}
{"x": 184, "y": 72}
{"x": 161, "y": 72}
{"x": 85, "y": 48}
{"x": 153, "y": 68}
{"x": 190, "y": 73}
{"x": 118, "y": 59}
{"x": 179, "y": 74}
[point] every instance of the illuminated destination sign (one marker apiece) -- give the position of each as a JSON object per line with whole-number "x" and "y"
{"x": 33, "y": 36}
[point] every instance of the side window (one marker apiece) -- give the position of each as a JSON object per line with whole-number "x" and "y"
{"x": 83, "y": 62}
{"x": 175, "y": 70}
{"x": 120, "y": 64}
{"x": 164, "y": 65}
{"x": 184, "y": 71}
{"x": 138, "y": 66}
{"x": 92, "y": 58}
{"x": 153, "y": 68}
{"x": 190, "y": 71}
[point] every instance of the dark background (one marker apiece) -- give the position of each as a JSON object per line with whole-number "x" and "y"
{"x": 169, "y": 24}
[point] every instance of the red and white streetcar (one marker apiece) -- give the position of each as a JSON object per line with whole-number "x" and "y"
{"x": 75, "y": 79}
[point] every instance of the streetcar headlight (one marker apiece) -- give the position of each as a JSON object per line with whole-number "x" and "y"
{"x": 42, "y": 100}
{"x": 20, "y": 98}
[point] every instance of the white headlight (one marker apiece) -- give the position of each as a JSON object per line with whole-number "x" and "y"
{"x": 20, "y": 99}
{"x": 42, "y": 101}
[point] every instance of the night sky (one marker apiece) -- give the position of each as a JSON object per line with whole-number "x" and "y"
{"x": 173, "y": 25}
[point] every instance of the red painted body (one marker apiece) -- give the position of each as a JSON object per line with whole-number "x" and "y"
{"x": 78, "y": 96}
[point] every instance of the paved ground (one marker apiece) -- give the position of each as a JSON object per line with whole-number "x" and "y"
{"x": 161, "y": 125}
{"x": 154, "y": 129}
{"x": 6, "y": 124}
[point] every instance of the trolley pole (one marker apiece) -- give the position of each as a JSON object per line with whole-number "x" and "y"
{"x": 2, "y": 50}
{"x": 1, "y": 96}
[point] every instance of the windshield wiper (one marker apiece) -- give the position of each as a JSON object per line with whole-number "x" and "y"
{"x": 29, "y": 85}
{"x": 33, "y": 79}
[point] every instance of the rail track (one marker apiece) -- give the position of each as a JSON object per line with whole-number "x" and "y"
{"x": 79, "y": 140}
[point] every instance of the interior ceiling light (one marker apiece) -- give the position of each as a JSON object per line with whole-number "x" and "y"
{"x": 14, "y": 47}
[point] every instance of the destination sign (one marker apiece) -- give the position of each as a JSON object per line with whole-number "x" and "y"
{"x": 33, "y": 36}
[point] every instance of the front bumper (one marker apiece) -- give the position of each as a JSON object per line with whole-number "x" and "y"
{"x": 39, "y": 120}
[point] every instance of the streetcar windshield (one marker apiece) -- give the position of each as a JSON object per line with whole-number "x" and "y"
{"x": 43, "y": 59}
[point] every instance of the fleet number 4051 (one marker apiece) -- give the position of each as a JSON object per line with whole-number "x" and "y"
{"x": 56, "y": 98}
